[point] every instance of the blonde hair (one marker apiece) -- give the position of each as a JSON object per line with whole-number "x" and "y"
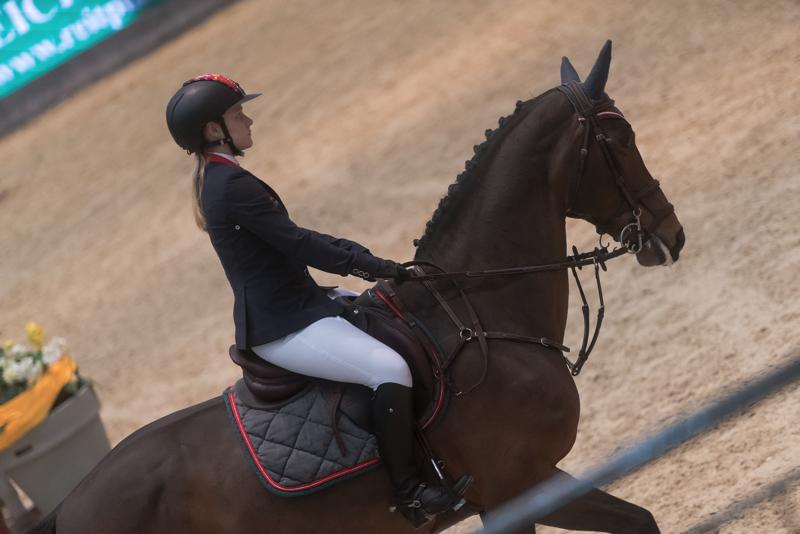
{"x": 198, "y": 179}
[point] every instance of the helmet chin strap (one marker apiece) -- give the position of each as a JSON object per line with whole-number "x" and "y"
{"x": 227, "y": 140}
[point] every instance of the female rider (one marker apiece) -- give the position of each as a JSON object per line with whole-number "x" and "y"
{"x": 280, "y": 313}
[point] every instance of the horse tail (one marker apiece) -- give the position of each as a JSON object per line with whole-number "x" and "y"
{"x": 46, "y": 525}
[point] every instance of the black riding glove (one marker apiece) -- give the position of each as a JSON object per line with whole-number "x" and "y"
{"x": 389, "y": 269}
{"x": 402, "y": 275}
{"x": 380, "y": 268}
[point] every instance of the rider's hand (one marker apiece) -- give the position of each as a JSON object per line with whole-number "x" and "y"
{"x": 402, "y": 274}
{"x": 392, "y": 269}
{"x": 376, "y": 268}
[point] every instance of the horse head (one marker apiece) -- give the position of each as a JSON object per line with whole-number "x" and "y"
{"x": 611, "y": 187}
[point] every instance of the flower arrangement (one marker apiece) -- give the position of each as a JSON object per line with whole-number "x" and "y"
{"x": 33, "y": 382}
{"x": 21, "y": 366}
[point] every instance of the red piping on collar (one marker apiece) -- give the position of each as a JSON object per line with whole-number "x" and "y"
{"x": 213, "y": 158}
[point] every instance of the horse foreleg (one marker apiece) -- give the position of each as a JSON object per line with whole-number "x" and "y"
{"x": 601, "y": 511}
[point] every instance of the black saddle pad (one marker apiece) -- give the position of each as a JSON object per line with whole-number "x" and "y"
{"x": 293, "y": 445}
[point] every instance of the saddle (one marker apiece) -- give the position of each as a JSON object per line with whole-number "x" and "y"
{"x": 267, "y": 384}
{"x": 304, "y": 434}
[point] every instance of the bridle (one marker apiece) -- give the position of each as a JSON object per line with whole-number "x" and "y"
{"x": 589, "y": 113}
{"x": 631, "y": 238}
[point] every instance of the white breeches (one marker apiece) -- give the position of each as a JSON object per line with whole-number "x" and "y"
{"x": 333, "y": 349}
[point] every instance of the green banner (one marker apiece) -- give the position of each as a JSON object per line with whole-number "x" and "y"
{"x": 38, "y": 35}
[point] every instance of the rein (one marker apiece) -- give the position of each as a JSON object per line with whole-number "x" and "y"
{"x": 597, "y": 257}
{"x": 577, "y": 260}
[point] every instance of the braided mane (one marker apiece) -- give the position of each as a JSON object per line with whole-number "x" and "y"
{"x": 470, "y": 166}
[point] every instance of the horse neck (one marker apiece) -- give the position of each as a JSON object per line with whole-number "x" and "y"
{"x": 510, "y": 212}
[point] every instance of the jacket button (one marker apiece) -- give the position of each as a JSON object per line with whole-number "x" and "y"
{"x": 237, "y": 227}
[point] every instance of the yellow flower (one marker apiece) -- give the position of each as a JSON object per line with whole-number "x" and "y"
{"x": 35, "y": 334}
{"x": 8, "y": 344}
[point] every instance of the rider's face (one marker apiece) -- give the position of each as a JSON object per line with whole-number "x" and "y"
{"x": 239, "y": 127}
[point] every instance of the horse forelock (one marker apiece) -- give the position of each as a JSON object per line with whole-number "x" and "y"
{"x": 493, "y": 137}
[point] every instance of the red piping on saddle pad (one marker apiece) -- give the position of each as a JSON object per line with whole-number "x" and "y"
{"x": 440, "y": 393}
{"x": 270, "y": 481}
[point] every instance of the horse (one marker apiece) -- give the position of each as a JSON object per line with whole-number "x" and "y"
{"x": 567, "y": 152}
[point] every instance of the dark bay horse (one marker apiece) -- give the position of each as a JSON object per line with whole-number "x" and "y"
{"x": 560, "y": 154}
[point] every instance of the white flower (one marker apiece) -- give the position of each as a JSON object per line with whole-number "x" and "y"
{"x": 10, "y": 374}
{"x": 50, "y": 354}
{"x": 18, "y": 371}
{"x": 24, "y": 368}
{"x": 18, "y": 349}
{"x": 33, "y": 371}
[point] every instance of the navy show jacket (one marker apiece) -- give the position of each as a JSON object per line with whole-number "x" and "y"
{"x": 265, "y": 257}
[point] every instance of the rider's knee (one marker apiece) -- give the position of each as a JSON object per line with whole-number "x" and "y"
{"x": 395, "y": 369}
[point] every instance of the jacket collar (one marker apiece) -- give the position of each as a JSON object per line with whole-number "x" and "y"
{"x": 224, "y": 159}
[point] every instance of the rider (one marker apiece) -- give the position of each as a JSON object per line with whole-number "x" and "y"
{"x": 280, "y": 313}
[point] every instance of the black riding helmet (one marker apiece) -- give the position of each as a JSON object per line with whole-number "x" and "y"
{"x": 199, "y": 101}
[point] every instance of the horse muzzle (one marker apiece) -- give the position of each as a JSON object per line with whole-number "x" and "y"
{"x": 656, "y": 252}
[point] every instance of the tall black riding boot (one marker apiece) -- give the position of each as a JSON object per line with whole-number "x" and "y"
{"x": 393, "y": 423}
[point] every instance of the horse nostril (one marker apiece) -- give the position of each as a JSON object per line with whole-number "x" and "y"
{"x": 680, "y": 240}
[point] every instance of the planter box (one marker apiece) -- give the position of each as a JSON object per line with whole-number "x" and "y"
{"x": 49, "y": 461}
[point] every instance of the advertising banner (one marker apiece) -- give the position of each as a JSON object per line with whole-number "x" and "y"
{"x": 38, "y": 35}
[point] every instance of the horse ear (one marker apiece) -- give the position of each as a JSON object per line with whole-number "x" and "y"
{"x": 596, "y": 81}
{"x": 568, "y": 72}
